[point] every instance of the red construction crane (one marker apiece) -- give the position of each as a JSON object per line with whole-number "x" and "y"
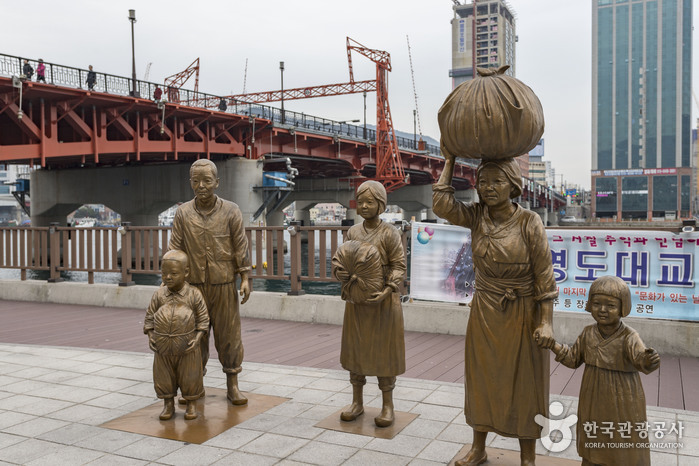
{"x": 389, "y": 166}
{"x": 176, "y": 81}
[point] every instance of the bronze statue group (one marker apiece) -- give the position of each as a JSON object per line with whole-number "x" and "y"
{"x": 493, "y": 118}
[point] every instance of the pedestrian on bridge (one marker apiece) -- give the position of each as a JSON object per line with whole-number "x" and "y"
{"x": 27, "y": 70}
{"x": 157, "y": 94}
{"x": 91, "y": 79}
{"x": 210, "y": 231}
{"x": 41, "y": 71}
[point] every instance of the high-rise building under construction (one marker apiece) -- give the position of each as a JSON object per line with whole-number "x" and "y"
{"x": 483, "y": 36}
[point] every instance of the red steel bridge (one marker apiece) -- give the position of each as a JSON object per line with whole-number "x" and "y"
{"x": 63, "y": 124}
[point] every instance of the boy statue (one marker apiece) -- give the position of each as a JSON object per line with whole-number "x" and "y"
{"x": 210, "y": 231}
{"x": 176, "y": 321}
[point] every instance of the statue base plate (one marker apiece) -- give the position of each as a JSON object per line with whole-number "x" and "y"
{"x": 216, "y": 414}
{"x": 511, "y": 458}
{"x": 364, "y": 424}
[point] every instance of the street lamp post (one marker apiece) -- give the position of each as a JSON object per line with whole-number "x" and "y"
{"x": 281, "y": 69}
{"x": 364, "y": 114}
{"x": 132, "y": 18}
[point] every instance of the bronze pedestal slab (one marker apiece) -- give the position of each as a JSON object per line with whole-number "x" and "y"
{"x": 364, "y": 424}
{"x": 216, "y": 414}
{"x": 511, "y": 458}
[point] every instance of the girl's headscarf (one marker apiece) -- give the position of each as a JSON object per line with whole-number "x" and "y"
{"x": 510, "y": 168}
{"x": 377, "y": 190}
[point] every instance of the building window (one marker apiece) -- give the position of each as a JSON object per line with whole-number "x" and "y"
{"x": 664, "y": 194}
{"x": 606, "y": 195}
{"x": 634, "y": 196}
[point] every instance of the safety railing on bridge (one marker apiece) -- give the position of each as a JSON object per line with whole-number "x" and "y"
{"x": 297, "y": 254}
{"x": 76, "y": 78}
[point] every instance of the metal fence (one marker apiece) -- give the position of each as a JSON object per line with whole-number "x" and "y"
{"x": 276, "y": 253}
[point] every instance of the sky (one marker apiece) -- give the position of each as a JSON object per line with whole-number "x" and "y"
{"x": 553, "y": 53}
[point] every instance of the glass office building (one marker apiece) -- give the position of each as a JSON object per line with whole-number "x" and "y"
{"x": 641, "y": 108}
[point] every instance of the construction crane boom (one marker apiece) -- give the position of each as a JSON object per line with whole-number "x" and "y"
{"x": 176, "y": 81}
{"x": 412, "y": 75}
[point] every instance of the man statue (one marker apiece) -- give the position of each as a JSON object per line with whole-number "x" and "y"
{"x": 210, "y": 230}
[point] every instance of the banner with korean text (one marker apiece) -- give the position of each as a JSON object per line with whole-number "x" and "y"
{"x": 660, "y": 267}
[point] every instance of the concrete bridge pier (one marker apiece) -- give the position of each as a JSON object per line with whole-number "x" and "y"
{"x": 275, "y": 219}
{"x": 139, "y": 192}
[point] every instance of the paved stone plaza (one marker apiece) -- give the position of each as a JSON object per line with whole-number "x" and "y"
{"x": 53, "y": 401}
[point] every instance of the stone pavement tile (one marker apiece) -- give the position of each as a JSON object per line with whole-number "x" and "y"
{"x": 421, "y": 462}
{"x": 68, "y": 393}
{"x": 109, "y": 441}
{"x": 290, "y": 409}
{"x": 6, "y": 440}
{"x": 664, "y": 459}
{"x": 298, "y": 427}
{"x": 114, "y": 400}
{"x": 273, "y": 390}
{"x": 28, "y": 372}
{"x": 445, "y": 399}
{"x": 366, "y": 457}
{"x": 293, "y": 380}
{"x": 292, "y": 463}
{"x": 56, "y": 376}
{"x": 70, "y": 434}
{"x": 263, "y": 377}
{"x": 451, "y": 388}
{"x": 35, "y": 427}
{"x": 140, "y": 389}
{"x": 440, "y": 451}
{"x": 410, "y": 394}
{"x": 5, "y": 395}
{"x": 264, "y": 422}
{"x": 337, "y": 399}
{"x": 342, "y": 438}
{"x": 102, "y": 417}
{"x": 149, "y": 448}
{"x": 7, "y": 380}
{"x": 9, "y": 419}
{"x": 77, "y": 412}
{"x": 239, "y": 458}
{"x": 133, "y": 360}
{"x": 317, "y": 412}
{"x": 83, "y": 367}
{"x": 437, "y": 413}
{"x": 323, "y": 454}
{"x": 66, "y": 456}
{"x": 329, "y": 384}
{"x": 308, "y": 395}
{"x": 25, "y": 386}
{"x": 139, "y": 403}
{"x": 30, "y": 449}
{"x": 400, "y": 444}
{"x": 418, "y": 383}
{"x": 457, "y": 433}
{"x": 279, "y": 446}
{"x": 115, "y": 460}
{"x": 100, "y": 383}
{"x": 12, "y": 402}
{"x": 233, "y": 438}
{"x": 126, "y": 373}
{"x": 43, "y": 406}
{"x": 424, "y": 428}
{"x": 91, "y": 356}
{"x": 309, "y": 372}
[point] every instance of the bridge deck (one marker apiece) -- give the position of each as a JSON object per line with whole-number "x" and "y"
{"x": 429, "y": 356}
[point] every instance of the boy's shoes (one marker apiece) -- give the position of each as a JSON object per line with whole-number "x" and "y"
{"x": 191, "y": 412}
{"x": 168, "y": 409}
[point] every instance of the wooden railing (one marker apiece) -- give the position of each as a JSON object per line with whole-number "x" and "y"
{"x": 276, "y": 253}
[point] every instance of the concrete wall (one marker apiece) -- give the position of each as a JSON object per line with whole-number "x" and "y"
{"x": 667, "y": 337}
{"x": 138, "y": 193}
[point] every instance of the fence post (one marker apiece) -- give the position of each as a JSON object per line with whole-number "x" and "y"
{"x": 55, "y": 253}
{"x": 125, "y": 231}
{"x": 295, "y": 260}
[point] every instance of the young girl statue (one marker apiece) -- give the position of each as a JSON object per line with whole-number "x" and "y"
{"x": 372, "y": 332}
{"x": 612, "y": 405}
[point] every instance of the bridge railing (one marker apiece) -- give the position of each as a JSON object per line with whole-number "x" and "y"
{"x": 297, "y": 254}
{"x": 76, "y": 78}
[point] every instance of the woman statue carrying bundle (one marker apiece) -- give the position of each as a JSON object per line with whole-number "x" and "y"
{"x": 506, "y": 372}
